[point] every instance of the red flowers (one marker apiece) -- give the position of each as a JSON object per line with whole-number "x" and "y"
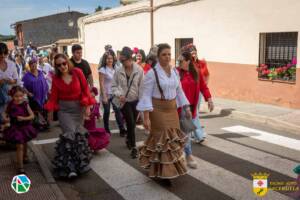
{"x": 285, "y": 72}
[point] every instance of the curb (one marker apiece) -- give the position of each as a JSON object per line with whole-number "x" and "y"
{"x": 260, "y": 119}
{"x": 44, "y": 163}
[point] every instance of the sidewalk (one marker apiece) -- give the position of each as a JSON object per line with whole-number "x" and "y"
{"x": 277, "y": 117}
{"x": 41, "y": 187}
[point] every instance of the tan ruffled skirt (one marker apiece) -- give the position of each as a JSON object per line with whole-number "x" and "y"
{"x": 162, "y": 152}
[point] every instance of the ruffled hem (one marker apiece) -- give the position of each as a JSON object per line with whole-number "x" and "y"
{"x": 20, "y": 134}
{"x": 98, "y": 139}
{"x": 163, "y": 155}
{"x": 72, "y": 155}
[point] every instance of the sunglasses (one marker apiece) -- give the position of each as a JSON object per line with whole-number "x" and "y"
{"x": 61, "y": 64}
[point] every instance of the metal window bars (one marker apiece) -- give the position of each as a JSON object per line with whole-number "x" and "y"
{"x": 278, "y": 49}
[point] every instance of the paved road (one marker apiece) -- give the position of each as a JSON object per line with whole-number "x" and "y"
{"x": 233, "y": 150}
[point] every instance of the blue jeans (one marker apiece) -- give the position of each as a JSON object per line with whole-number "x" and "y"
{"x": 106, "y": 114}
{"x": 188, "y": 146}
{"x": 199, "y": 134}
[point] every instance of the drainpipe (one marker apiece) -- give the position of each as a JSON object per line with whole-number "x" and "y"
{"x": 151, "y": 23}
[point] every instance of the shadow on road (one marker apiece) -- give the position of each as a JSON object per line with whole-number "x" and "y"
{"x": 223, "y": 113}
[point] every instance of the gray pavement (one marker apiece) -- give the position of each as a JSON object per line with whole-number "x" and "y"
{"x": 277, "y": 117}
{"x": 225, "y": 163}
{"x": 40, "y": 187}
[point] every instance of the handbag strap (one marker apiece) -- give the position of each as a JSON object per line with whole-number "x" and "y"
{"x": 128, "y": 90}
{"x": 162, "y": 96}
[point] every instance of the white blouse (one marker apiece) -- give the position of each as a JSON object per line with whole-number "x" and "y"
{"x": 171, "y": 87}
{"x": 11, "y": 72}
{"x": 108, "y": 77}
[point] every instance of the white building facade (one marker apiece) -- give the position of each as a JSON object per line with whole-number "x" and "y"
{"x": 230, "y": 34}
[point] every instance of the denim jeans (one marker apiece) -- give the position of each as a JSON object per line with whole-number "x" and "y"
{"x": 199, "y": 134}
{"x": 106, "y": 107}
{"x": 188, "y": 146}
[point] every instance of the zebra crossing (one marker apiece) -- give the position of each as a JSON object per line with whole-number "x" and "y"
{"x": 224, "y": 169}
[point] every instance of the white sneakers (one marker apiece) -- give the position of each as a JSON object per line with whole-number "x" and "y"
{"x": 191, "y": 162}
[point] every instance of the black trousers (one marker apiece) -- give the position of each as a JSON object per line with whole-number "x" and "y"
{"x": 130, "y": 114}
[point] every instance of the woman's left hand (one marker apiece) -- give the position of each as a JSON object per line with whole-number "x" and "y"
{"x": 188, "y": 114}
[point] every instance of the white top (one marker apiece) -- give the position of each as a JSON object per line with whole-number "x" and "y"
{"x": 46, "y": 68}
{"x": 20, "y": 70}
{"x": 11, "y": 72}
{"x": 48, "y": 71}
{"x": 171, "y": 87}
{"x": 108, "y": 74}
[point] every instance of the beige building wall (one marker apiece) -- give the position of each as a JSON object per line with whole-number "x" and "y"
{"x": 226, "y": 33}
{"x": 226, "y": 30}
{"x": 117, "y": 27}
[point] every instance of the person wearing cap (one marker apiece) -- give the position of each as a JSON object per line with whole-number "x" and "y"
{"x": 82, "y": 64}
{"x": 126, "y": 88}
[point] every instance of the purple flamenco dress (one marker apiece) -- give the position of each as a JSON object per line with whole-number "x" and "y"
{"x": 98, "y": 137}
{"x": 19, "y": 132}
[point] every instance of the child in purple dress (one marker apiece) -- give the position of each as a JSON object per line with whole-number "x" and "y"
{"x": 19, "y": 114}
{"x": 98, "y": 137}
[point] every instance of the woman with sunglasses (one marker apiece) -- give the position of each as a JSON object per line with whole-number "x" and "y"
{"x": 70, "y": 95}
{"x": 192, "y": 84}
{"x": 162, "y": 152}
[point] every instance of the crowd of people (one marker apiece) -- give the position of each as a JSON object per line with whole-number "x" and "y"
{"x": 36, "y": 88}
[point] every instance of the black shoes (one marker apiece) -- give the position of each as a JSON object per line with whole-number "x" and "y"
{"x": 128, "y": 144}
{"x": 134, "y": 153}
{"x": 123, "y": 132}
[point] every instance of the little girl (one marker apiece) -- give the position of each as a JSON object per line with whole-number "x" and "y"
{"x": 98, "y": 137}
{"x": 20, "y": 115}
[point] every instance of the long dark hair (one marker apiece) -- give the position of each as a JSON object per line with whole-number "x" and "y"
{"x": 187, "y": 56}
{"x": 70, "y": 65}
{"x": 109, "y": 52}
{"x": 142, "y": 52}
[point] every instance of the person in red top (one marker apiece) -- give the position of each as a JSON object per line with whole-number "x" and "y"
{"x": 192, "y": 84}
{"x": 201, "y": 66}
{"x": 70, "y": 95}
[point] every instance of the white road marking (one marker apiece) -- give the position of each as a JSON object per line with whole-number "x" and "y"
{"x": 127, "y": 181}
{"x": 46, "y": 141}
{"x": 223, "y": 180}
{"x": 273, "y": 162}
{"x": 265, "y": 136}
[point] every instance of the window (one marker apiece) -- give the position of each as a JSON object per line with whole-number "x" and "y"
{"x": 65, "y": 49}
{"x": 278, "y": 56}
{"x": 179, "y": 43}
